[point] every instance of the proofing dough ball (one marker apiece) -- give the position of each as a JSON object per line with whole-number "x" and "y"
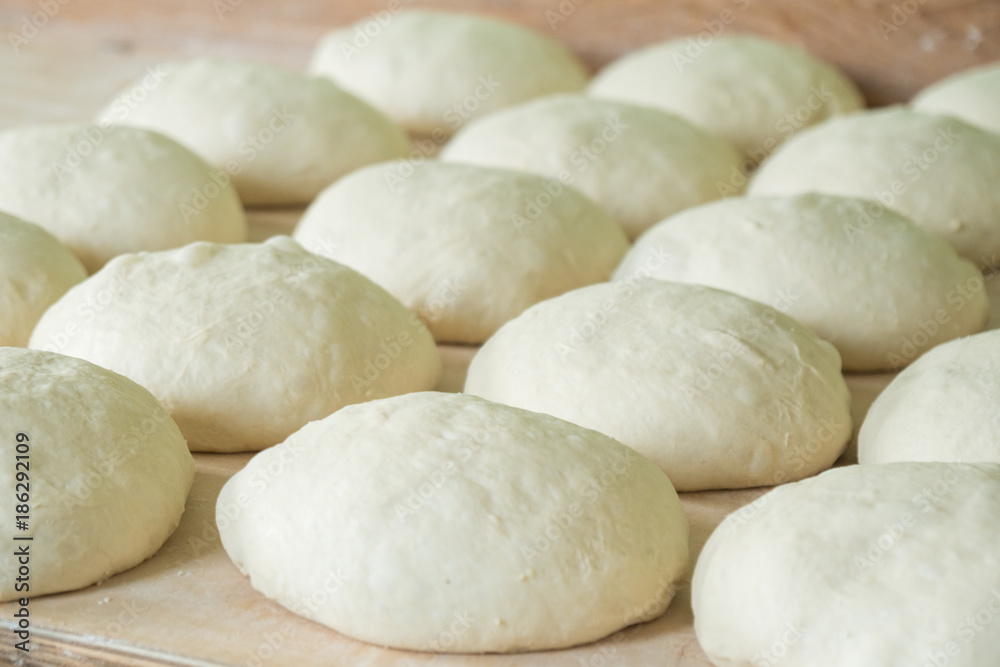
{"x": 280, "y": 136}
{"x": 105, "y": 190}
{"x": 431, "y": 71}
{"x": 862, "y": 277}
{"x": 467, "y": 248}
{"x": 244, "y": 344}
{"x": 972, "y": 95}
{"x": 35, "y": 270}
{"x": 719, "y": 391}
{"x": 103, "y": 470}
{"x": 640, "y": 164}
{"x": 457, "y": 525}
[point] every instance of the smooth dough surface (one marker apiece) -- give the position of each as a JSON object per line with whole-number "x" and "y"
{"x": 719, "y": 391}
{"x": 972, "y": 95}
{"x": 641, "y": 164}
{"x": 244, "y": 343}
{"x": 938, "y": 171}
{"x": 863, "y": 277}
{"x": 105, "y": 191}
{"x": 467, "y": 248}
{"x": 35, "y": 270}
{"x": 452, "y": 524}
{"x": 863, "y": 566}
{"x": 752, "y": 91}
{"x": 108, "y": 471}
{"x": 432, "y": 71}
{"x": 945, "y": 407}
{"x": 279, "y": 135}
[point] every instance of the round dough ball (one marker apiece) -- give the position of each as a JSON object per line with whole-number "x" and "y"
{"x": 936, "y": 170}
{"x": 640, "y": 164}
{"x": 106, "y": 472}
{"x": 454, "y": 524}
{"x": 972, "y": 95}
{"x": 811, "y": 256}
{"x": 35, "y": 270}
{"x": 244, "y": 344}
{"x": 945, "y": 407}
{"x": 280, "y": 136}
{"x": 105, "y": 191}
{"x": 719, "y": 391}
{"x": 467, "y": 248}
{"x": 863, "y": 566}
{"x": 431, "y": 71}
{"x": 752, "y": 91}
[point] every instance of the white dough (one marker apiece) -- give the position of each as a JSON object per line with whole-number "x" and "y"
{"x": 245, "y": 343}
{"x": 467, "y": 248}
{"x": 719, "y": 391}
{"x": 863, "y": 566}
{"x": 105, "y": 191}
{"x": 106, "y": 472}
{"x": 972, "y": 95}
{"x": 452, "y": 524}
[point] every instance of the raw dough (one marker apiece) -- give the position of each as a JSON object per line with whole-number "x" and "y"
{"x": 246, "y": 343}
{"x": 719, "y": 391}
{"x": 445, "y": 523}
{"x": 468, "y": 248}
{"x": 972, "y": 95}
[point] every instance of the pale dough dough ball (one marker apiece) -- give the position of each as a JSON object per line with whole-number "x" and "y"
{"x": 105, "y": 190}
{"x": 432, "y": 71}
{"x": 863, "y": 566}
{"x": 640, "y": 164}
{"x": 35, "y": 270}
{"x": 453, "y": 524}
{"x": 280, "y": 136}
{"x": 719, "y": 391}
{"x": 105, "y": 469}
{"x": 752, "y": 91}
{"x": 972, "y": 95}
{"x": 863, "y": 277}
{"x": 945, "y": 407}
{"x": 246, "y": 343}
{"x": 936, "y": 170}
{"x": 467, "y": 248}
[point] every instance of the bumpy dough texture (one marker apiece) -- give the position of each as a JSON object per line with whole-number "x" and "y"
{"x": 445, "y": 523}
{"x": 719, "y": 391}
{"x": 641, "y": 164}
{"x": 244, "y": 344}
{"x": 945, "y": 407}
{"x": 877, "y": 286}
{"x": 752, "y": 91}
{"x": 35, "y": 270}
{"x": 863, "y": 566}
{"x": 467, "y": 248}
{"x": 279, "y": 135}
{"x": 467, "y": 66}
{"x": 972, "y": 95}
{"x": 108, "y": 472}
{"x": 105, "y": 191}
{"x": 936, "y": 170}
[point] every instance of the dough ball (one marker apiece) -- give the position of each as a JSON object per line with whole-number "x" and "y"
{"x": 246, "y": 343}
{"x": 945, "y": 407}
{"x": 35, "y": 270}
{"x": 936, "y": 170}
{"x": 863, "y": 277}
{"x": 280, "y": 136}
{"x": 468, "y": 248}
{"x": 640, "y": 164}
{"x": 431, "y": 71}
{"x": 105, "y": 469}
{"x": 719, "y": 391}
{"x": 972, "y": 95}
{"x": 863, "y": 566}
{"x": 752, "y": 91}
{"x": 453, "y": 524}
{"x": 105, "y": 190}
